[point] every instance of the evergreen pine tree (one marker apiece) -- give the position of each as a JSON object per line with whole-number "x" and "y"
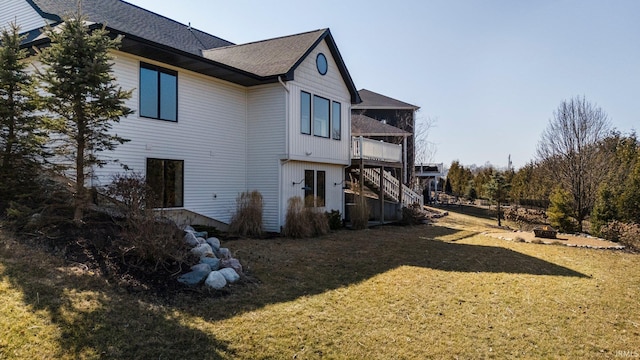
{"x": 497, "y": 188}
{"x": 21, "y": 136}
{"x": 560, "y": 209}
{"x": 82, "y": 97}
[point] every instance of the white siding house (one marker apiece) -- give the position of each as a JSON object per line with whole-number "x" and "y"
{"x": 233, "y": 121}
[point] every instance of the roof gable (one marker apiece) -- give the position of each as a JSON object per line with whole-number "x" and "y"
{"x": 373, "y": 100}
{"x": 279, "y": 57}
{"x": 266, "y": 58}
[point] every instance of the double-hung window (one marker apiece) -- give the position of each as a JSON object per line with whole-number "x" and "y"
{"x": 315, "y": 188}
{"x": 158, "y": 93}
{"x": 166, "y": 180}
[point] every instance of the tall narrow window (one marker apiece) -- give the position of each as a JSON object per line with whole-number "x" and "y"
{"x": 305, "y": 113}
{"x": 315, "y": 189}
{"x": 320, "y": 116}
{"x": 158, "y": 93}
{"x": 309, "y": 188}
{"x": 336, "y": 126}
{"x": 320, "y": 188}
{"x": 166, "y": 179}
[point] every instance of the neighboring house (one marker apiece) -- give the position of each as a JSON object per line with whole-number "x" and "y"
{"x": 213, "y": 119}
{"x": 395, "y": 113}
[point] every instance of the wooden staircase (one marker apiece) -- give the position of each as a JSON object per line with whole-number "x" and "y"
{"x": 391, "y": 186}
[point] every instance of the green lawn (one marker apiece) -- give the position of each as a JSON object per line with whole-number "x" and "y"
{"x": 441, "y": 291}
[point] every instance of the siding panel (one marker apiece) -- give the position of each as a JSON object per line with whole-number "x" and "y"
{"x": 294, "y": 171}
{"x": 209, "y": 136}
{"x": 266, "y": 146}
{"x": 330, "y": 86}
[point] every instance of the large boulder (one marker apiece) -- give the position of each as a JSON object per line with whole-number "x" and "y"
{"x": 214, "y": 242}
{"x": 202, "y": 250}
{"x": 203, "y": 267}
{"x": 230, "y": 275}
{"x": 202, "y": 234}
{"x": 215, "y": 280}
{"x": 193, "y": 278}
{"x": 213, "y": 262}
{"x": 190, "y": 239}
{"x": 232, "y": 263}
{"x": 224, "y": 253}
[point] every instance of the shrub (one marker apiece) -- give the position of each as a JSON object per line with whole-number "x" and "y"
{"x": 247, "y": 221}
{"x": 628, "y": 234}
{"x": 144, "y": 239}
{"x": 151, "y": 242}
{"x": 132, "y": 195}
{"x": 335, "y": 219}
{"x": 412, "y": 215}
{"x": 559, "y": 211}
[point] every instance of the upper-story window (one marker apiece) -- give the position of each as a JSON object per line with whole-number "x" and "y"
{"x": 320, "y": 117}
{"x": 158, "y": 93}
{"x": 336, "y": 116}
{"x": 305, "y": 113}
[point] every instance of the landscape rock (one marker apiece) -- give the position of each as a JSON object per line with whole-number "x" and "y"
{"x": 203, "y": 267}
{"x": 214, "y": 242}
{"x": 230, "y": 275}
{"x": 215, "y": 280}
{"x": 201, "y": 240}
{"x": 202, "y": 234}
{"x": 193, "y": 278}
{"x": 202, "y": 250}
{"x": 213, "y": 262}
{"x": 188, "y": 228}
{"x": 191, "y": 239}
{"x": 232, "y": 263}
{"x": 224, "y": 253}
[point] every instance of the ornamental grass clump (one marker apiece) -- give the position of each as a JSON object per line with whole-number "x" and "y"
{"x": 360, "y": 213}
{"x": 296, "y": 224}
{"x": 304, "y": 219}
{"x": 247, "y": 221}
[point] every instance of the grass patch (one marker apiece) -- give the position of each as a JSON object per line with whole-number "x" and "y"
{"x": 441, "y": 291}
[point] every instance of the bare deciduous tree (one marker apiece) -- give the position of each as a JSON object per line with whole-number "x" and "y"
{"x": 569, "y": 146}
{"x": 425, "y": 149}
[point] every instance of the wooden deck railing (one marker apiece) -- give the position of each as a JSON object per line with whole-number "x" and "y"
{"x": 391, "y": 187}
{"x": 363, "y": 148}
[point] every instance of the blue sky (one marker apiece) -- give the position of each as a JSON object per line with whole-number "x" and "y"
{"x": 489, "y": 73}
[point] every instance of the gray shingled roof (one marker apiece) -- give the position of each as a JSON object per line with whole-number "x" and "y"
{"x": 362, "y": 125}
{"x": 131, "y": 19}
{"x": 153, "y": 36}
{"x": 371, "y": 100}
{"x": 268, "y": 57}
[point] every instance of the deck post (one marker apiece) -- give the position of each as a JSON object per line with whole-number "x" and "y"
{"x": 401, "y": 193}
{"x": 382, "y": 195}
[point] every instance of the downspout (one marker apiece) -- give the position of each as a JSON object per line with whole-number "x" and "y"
{"x": 286, "y": 139}
{"x": 286, "y": 123}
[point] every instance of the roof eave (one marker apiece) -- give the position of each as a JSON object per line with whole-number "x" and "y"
{"x": 365, "y": 107}
{"x": 45, "y": 15}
